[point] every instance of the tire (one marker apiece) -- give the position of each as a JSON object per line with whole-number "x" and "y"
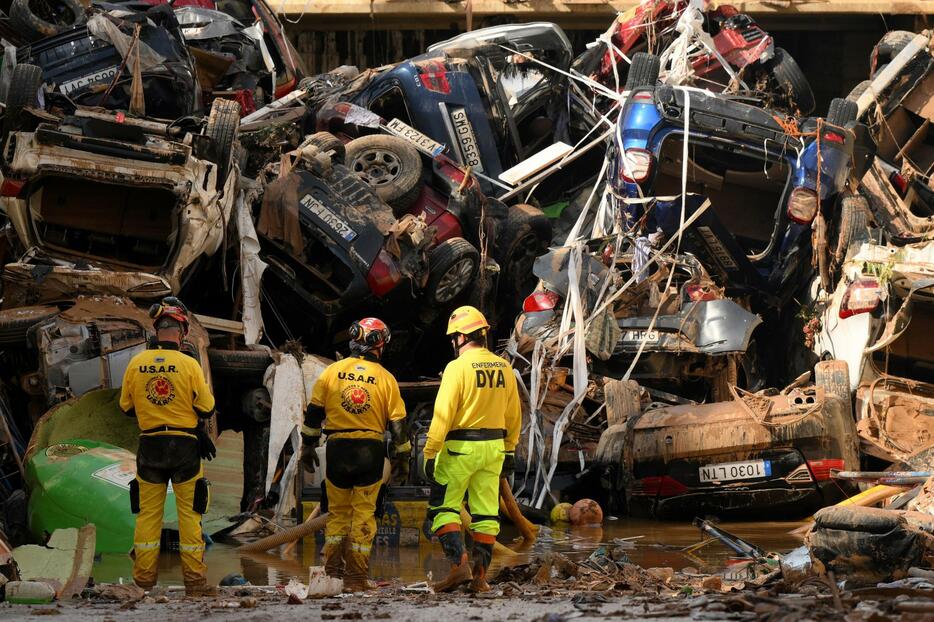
{"x": 888, "y": 47}
{"x": 858, "y": 90}
{"x": 526, "y": 235}
{"x": 791, "y": 81}
{"x": 223, "y": 125}
{"x": 54, "y": 17}
{"x": 854, "y": 222}
{"x": 15, "y": 323}
{"x": 239, "y": 363}
{"x": 23, "y": 93}
{"x": 452, "y": 267}
{"x": 841, "y": 112}
{"x": 834, "y": 377}
{"x": 389, "y": 165}
{"x": 643, "y": 71}
{"x": 326, "y": 141}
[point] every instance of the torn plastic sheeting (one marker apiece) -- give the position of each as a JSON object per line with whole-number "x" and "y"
{"x": 286, "y": 387}
{"x": 251, "y": 273}
{"x": 104, "y": 29}
{"x": 255, "y": 32}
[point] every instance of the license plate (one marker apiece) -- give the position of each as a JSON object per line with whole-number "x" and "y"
{"x": 331, "y": 220}
{"x": 466, "y": 139}
{"x": 104, "y": 75}
{"x": 728, "y": 471}
{"x": 636, "y": 335}
{"x": 417, "y": 139}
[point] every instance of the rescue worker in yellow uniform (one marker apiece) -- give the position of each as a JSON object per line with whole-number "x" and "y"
{"x": 471, "y": 445}
{"x": 167, "y": 393}
{"x": 357, "y": 400}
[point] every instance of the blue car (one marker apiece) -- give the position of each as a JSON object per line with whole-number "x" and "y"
{"x": 770, "y": 180}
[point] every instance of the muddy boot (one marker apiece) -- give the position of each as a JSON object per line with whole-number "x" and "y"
{"x": 453, "y": 546}
{"x": 356, "y": 573}
{"x": 200, "y": 590}
{"x": 482, "y": 553}
{"x": 334, "y": 555}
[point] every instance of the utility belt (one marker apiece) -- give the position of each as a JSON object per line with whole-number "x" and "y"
{"x": 350, "y": 430}
{"x": 170, "y": 428}
{"x": 476, "y": 434}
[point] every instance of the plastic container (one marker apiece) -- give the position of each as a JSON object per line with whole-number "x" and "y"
{"x": 29, "y": 593}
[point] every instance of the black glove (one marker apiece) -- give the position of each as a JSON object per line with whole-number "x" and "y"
{"x": 400, "y": 468}
{"x": 206, "y": 448}
{"x": 430, "y": 469}
{"x": 509, "y": 464}
{"x": 309, "y": 453}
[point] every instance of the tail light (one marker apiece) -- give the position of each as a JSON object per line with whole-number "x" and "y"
{"x": 434, "y": 77}
{"x": 862, "y": 296}
{"x": 900, "y": 183}
{"x": 834, "y": 137}
{"x": 821, "y": 469}
{"x": 384, "y": 274}
{"x": 658, "y": 486}
{"x": 635, "y": 165}
{"x": 11, "y": 187}
{"x": 802, "y": 206}
{"x": 541, "y": 301}
{"x": 697, "y": 293}
{"x": 642, "y": 97}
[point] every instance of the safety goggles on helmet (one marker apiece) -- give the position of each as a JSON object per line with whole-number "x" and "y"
{"x": 170, "y": 307}
{"x": 369, "y": 334}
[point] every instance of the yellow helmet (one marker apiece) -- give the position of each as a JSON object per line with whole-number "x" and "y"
{"x": 466, "y": 320}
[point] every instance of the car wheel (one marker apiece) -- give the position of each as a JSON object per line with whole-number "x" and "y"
{"x": 23, "y": 93}
{"x": 15, "y": 323}
{"x": 526, "y": 236}
{"x": 858, "y": 90}
{"x": 854, "y": 224}
{"x": 38, "y": 19}
{"x": 841, "y": 112}
{"x": 834, "y": 377}
{"x": 223, "y": 125}
{"x": 325, "y": 142}
{"x": 239, "y": 363}
{"x": 888, "y": 48}
{"x": 452, "y": 267}
{"x": 643, "y": 71}
{"x": 791, "y": 81}
{"x": 389, "y": 165}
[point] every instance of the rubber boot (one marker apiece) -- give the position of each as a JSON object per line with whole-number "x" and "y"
{"x": 453, "y": 546}
{"x": 482, "y": 553}
{"x": 200, "y": 590}
{"x": 334, "y": 555}
{"x": 356, "y": 572}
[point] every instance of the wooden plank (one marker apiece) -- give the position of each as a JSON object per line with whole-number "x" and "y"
{"x": 544, "y": 9}
{"x": 528, "y": 167}
{"x": 219, "y": 324}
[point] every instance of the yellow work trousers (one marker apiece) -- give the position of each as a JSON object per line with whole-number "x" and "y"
{"x": 351, "y": 513}
{"x": 149, "y": 531}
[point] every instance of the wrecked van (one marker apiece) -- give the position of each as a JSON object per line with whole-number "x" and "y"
{"x": 104, "y": 192}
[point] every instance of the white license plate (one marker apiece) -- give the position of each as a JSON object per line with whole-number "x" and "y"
{"x": 331, "y": 220}
{"x": 417, "y": 139}
{"x": 729, "y": 471}
{"x": 467, "y": 139}
{"x": 637, "y": 335}
{"x": 104, "y": 75}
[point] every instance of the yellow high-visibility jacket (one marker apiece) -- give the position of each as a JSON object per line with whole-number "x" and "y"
{"x": 478, "y": 390}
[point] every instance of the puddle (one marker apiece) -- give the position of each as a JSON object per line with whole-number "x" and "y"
{"x": 660, "y": 545}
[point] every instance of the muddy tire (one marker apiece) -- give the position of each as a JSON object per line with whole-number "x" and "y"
{"x": 23, "y": 93}
{"x": 239, "y": 363}
{"x": 643, "y": 71}
{"x": 15, "y": 323}
{"x": 389, "y": 165}
{"x": 526, "y": 235}
{"x": 854, "y": 224}
{"x": 858, "y": 90}
{"x": 888, "y": 48}
{"x": 834, "y": 377}
{"x": 791, "y": 81}
{"x": 223, "y": 125}
{"x": 35, "y": 19}
{"x": 326, "y": 141}
{"x": 452, "y": 267}
{"x": 841, "y": 111}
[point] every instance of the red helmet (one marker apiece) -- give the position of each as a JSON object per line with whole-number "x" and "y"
{"x": 170, "y": 307}
{"x": 367, "y": 334}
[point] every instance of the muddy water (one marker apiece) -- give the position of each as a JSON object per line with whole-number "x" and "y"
{"x": 651, "y": 544}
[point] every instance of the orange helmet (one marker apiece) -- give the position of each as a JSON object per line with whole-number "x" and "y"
{"x": 170, "y": 307}
{"x": 368, "y": 334}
